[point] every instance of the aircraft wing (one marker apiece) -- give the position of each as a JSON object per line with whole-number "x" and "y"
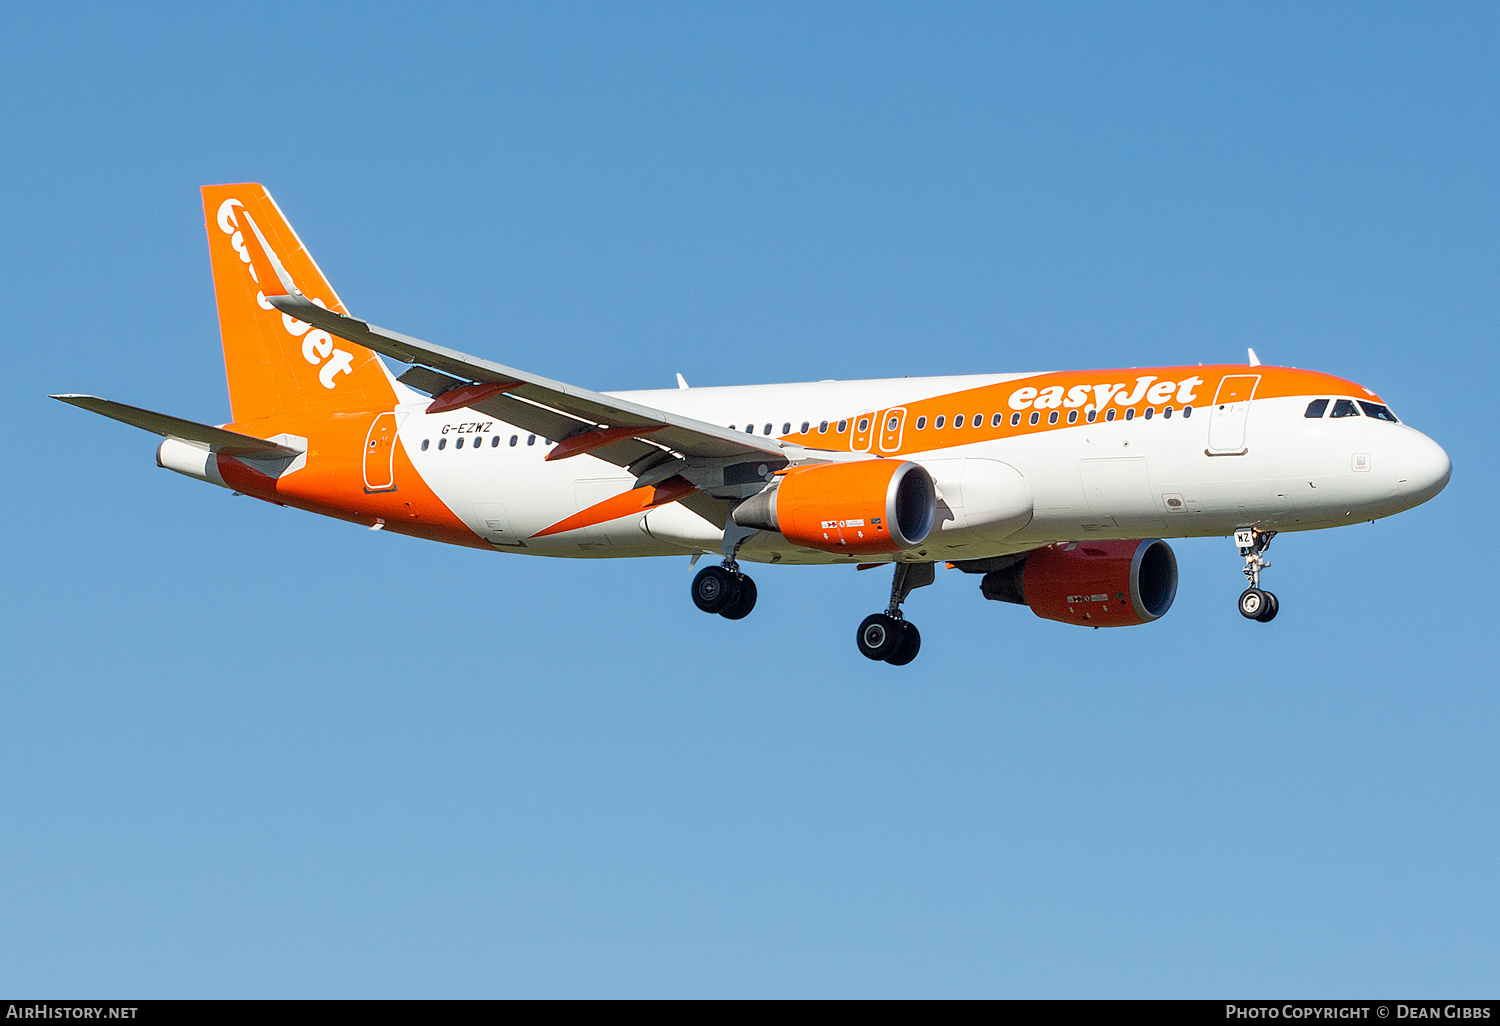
{"x": 231, "y": 443}
{"x": 557, "y": 410}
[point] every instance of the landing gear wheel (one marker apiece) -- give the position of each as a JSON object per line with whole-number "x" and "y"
{"x": 741, "y": 606}
{"x": 911, "y": 644}
{"x": 1269, "y": 613}
{"x": 1254, "y": 603}
{"x": 879, "y": 636}
{"x": 715, "y": 589}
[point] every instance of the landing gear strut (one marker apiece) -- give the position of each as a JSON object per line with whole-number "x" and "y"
{"x": 1255, "y": 604}
{"x": 725, "y": 589}
{"x": 888, "y": 636}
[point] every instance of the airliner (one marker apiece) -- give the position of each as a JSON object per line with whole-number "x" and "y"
{"x": 1056, "y": 488}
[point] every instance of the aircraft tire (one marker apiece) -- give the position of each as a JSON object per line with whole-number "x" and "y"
{"x": 1253, "y": 603}
{"x": 1272, "y": 607}
{"x": 879, "y": 635}
{"x": 715, "y": 589}
{"x": 743, "y": 603}
{"x": 911, "y": 644}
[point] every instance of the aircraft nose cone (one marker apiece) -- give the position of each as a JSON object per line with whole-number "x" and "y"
{"x": 1422, "y": 467}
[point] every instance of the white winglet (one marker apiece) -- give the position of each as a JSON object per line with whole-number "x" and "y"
{"x": 681, "y": 381}
{"x": 1254, "y": 360}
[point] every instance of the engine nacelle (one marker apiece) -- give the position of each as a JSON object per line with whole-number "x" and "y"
{"x": 868, "y": 507}
{"x": 1093, "y": 584}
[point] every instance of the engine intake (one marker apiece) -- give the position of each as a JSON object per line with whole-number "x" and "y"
{"x": 871, "y": 506}
{"x": 1093, "y": 584}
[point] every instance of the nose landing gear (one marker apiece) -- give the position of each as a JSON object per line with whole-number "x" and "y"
{"x": 1255, "y": 604}
{"x": 888, "y": 636}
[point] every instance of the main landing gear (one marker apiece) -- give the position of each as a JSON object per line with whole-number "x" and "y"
{"x": 724, "y": 590}
{"x": 888, "y": 636}
{"x": 1255, "y": 604}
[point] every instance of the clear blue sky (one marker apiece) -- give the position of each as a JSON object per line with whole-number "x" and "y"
{"x": 248, "y": 751}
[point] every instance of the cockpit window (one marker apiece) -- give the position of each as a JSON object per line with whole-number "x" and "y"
{"x": 1345, "y": 408}
{"x": 1378, "y": 412}
{"x": 1316, "y": 409}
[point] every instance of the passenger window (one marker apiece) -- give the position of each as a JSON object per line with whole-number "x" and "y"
{"x": 1110, "y": 415}
{"x": 1015, "y": 418}
{"x": 1345, "y": 408}
{"x": 822, "y": 427}
{"x": 514, "y": 439}
{"x": 842, "y": 425}
{"x": 921, "y": 423}
{"x": 1167, "y": 413}
{"x": 1035, "y": 417}
{"x": 786, "y": 428}
{"x": 1130, "y": 414}
{"x": 766, "y": 430}
{"x": 531, "y": 439}
{"x": 1150, "y": 412}
{"x": 1052, "y": 417}
{"x": 864, "y": 424}
{"x": 939, "y": 422}
{"x": 442, "y": 443}
{"x": 805, "y": 426}
{"x": 460, "y": 443}
{"x": 749, "y": 429}
{"x": 1187, "y": 411}
{"x": 731, "y": 427}
{"x": 1072, "y": 416}
{"x": 958, "y": 421}
{"x": 425, "y": 442}
{"x": 890, "y": 425}
{"x": 1316, "y": 409}
{"x": 495, "y": 442}
{"x": 1378, "y": 412}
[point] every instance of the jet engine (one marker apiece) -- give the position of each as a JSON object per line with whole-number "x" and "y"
{"x": 868, "y": 507}
{"x": 1093, "y": 584}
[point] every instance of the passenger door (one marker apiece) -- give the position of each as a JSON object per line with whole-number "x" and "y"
{"x": 380, "y": 454}
{"x": 1226, "y": 421}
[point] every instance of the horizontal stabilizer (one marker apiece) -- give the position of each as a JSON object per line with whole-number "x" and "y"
{"x": 230, "y": 443}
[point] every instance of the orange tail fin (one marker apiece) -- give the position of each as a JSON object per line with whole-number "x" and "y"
{"x": 275, "y": 363}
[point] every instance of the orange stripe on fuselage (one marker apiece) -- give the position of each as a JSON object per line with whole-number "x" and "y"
{"x": 988, "y": 400}
{"x": 333, "y": 483}
{"x": 622, "y": 505}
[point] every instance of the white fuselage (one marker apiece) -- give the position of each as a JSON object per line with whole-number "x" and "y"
{"x": 1152, "y": 477}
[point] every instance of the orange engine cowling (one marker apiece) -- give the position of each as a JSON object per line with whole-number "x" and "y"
{"x": 867, "y": 507}
{"x": 1093, "y": 584}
